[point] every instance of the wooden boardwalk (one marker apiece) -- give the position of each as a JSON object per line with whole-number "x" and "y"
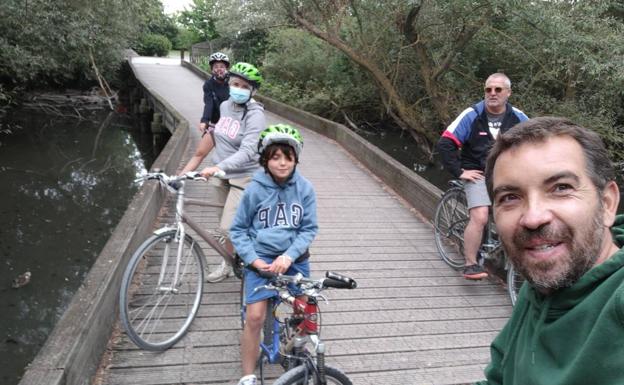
{"x": 412, "y": 319}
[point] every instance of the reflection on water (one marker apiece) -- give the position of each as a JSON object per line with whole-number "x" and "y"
{"x": 402, "y": 147}
{"x": 65, "y": 185}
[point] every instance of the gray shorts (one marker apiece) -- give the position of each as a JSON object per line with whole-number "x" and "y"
{"x": 476, "y": 194}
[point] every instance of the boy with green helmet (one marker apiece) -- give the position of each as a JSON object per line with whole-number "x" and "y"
{"x": 274, "y": 226}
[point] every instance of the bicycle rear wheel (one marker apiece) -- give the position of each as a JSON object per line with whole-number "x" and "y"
{"x": 302, "y": 375}
{"x": 450, "y": 219}
{"x": 514, "y": 283}
{"x": 157, "y": 315}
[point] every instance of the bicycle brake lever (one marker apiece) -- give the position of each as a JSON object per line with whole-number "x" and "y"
{"x": 194, "y": 175}
{"x": 264, "y": 287}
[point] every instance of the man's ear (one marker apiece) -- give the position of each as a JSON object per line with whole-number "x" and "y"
{"x": 610, "y": 200}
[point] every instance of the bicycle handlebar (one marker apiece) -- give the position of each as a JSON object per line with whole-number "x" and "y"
{"x": 339, "y": 281}
{"x": 172, "y": 180}
{"x": 333, "y": 280}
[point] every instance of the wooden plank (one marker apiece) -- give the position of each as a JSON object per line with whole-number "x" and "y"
{"x": 412, "y": 319}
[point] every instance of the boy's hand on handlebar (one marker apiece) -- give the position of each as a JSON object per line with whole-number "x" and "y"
{"x": 281, "y": 264}
{"x": 472, "y": 175}
{"x": 260, "y": 264}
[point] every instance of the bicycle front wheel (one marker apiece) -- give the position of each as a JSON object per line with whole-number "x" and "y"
{"x": 243, "y": 305}
{"x": 302, "y": 375}
{"x": 157, "y": 305}
{"x": 514, "y": 283}
{"x": 450, "y": 220}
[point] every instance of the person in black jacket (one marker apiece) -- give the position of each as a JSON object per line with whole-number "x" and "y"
{"x": 473, "y": 132}
{"x": 216, "y": 90}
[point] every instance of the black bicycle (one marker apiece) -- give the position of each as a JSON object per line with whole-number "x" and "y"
{"x": 450, "y": 220}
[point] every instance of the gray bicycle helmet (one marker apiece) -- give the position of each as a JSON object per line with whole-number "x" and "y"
{"x": 219, "y": 56}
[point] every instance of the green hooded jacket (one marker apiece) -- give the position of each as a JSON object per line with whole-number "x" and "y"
{"x": 572, "y": 337}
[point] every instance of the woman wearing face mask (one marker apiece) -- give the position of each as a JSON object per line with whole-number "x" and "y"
{"x": 235, "y": 138}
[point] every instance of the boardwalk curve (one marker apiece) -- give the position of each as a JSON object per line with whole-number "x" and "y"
{"x": 412, "y": 320}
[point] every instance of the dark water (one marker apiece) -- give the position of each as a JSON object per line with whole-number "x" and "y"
{"x": 65, "y": 185}
{"x": 403, "y": 148}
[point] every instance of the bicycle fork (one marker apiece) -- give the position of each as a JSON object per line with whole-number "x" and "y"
{"x": 180, "y": 236}
{"x": 307, "y": 330}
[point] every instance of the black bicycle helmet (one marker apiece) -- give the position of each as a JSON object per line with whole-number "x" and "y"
{"x": 219, "y": 56}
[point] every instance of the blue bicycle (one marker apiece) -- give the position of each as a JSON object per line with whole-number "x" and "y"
{"x": 292, "y": 325}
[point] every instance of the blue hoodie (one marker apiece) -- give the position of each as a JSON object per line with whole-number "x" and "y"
{"x": 273, "y": 219}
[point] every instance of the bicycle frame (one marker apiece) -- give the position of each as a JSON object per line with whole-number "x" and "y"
{"x": 304, "y": 322}
{"x": 305, "y": 332}
{"x": 450, "y": 221}
{"x": 182, "y": 218}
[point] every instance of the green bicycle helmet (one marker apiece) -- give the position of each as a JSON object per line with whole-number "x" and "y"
{"x": 281, "y": 133}
{"x": 248, "y": 72}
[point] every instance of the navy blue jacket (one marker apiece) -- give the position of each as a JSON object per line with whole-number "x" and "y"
{"x": 470, "y": 133}
{"x": 214, "y": 94}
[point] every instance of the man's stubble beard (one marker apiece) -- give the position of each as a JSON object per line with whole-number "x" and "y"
{"x": 550, "y": 275}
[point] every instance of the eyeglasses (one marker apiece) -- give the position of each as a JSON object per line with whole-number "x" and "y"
{"x": 498, "y": 90}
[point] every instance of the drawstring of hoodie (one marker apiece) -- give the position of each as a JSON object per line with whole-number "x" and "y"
{"x": 514, "y": 336}
{"x": 540, "y": 323}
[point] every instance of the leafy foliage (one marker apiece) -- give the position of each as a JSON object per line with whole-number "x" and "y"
{"x": 199, "y": 19}
{"x": 416, "y": 63}
{"x": 302, "y": 71}
{"x": 185, "y": 38}
{"x": 152, "y": 44}
{"x": 49, "y": 43}
{"x": 428, "y": 60}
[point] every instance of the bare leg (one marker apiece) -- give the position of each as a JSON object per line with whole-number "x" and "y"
{"x": 473, "y": 233}
{"x": 250, "y": 339}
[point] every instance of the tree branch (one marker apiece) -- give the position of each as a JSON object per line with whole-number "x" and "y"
{"x": 528, "y": 53}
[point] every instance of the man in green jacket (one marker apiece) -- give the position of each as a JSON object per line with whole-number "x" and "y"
{"x": 557, "y": 221}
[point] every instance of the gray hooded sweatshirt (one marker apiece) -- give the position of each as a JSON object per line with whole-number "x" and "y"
{"x": 236, "y": 138}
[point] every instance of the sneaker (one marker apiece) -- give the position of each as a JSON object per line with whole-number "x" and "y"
{"x": 222, "y": 272}
{"x": 475, "y": 272}
{"x": 248, "y": 380}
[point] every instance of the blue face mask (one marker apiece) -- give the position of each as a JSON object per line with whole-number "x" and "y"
{"x": 240, "y": 95}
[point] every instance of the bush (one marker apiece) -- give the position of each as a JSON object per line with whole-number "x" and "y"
{"x": 185, "y": 39}
{"x": 153, "y": 45}
{"x": 305, "y": 72}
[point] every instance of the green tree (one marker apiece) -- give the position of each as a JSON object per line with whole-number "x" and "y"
{"x": 153, "y": 45}
{"x": 428, "y": 59}
{"x": 185, "y": 38}
{"x": 200, "y": 19}
{"x": 50, "y": 43}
